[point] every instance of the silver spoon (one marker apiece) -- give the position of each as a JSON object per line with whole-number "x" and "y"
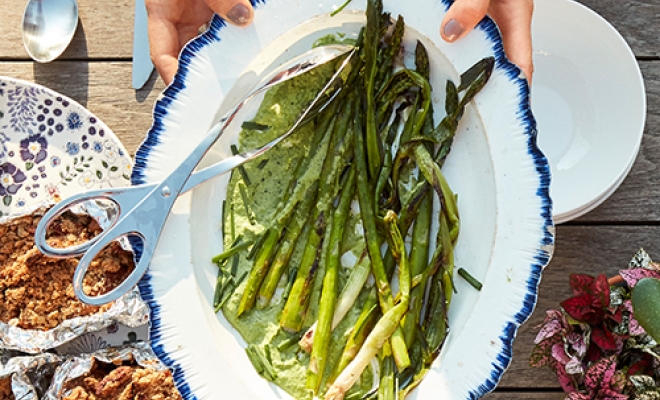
{"x": 48, "y": 27}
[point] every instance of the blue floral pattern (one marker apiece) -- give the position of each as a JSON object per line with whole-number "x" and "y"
{"x": 74, "y": 121}
{"x": 22, "y": 102}
{"x": 72, "y": 148}
{"x": 33, "y": 149}
{"x": 11, "y": 179}
{"x": 51, "y": 148}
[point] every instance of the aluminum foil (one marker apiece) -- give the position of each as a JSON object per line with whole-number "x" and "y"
{"x": 36, "y": 208}
{"x": 129, "y": 310}
{"x": 79, "y": 365}
{"x": 5, "y": 355}
{"x": 31, "y": 376}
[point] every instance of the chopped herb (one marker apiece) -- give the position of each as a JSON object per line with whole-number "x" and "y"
{"x": 337, "y": 11}
{"x": 470, "y": 279}
{"x": 231, "y": 285}
{"x": 225, "y": 296}
{"x": 257, "y": 244}
{"x": 254, "y": 359}
{"x": 260, "y": 361}
{"x": 237, "y": 246}
{"x": 241, "y": 279}
{"x": 288, "y": 342}
{"x": 254, "y": 126}
{"x": 232, "y": 225}
{"x": 246, "y": 202}
{"x": 224, "y": 210}
{"x": 219, "y": 286}
{"x": 234, "y": 265}
{"x": 291, "y": 278}
{"x": 262, "y": 163}
{"x": 241, "y": 169}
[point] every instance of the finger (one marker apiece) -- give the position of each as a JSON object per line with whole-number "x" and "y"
{"x": 164, "y": 47}
{"x": 461, "y": 18}
{"x": 514, "y": 18}
{"x": 238, "y": 12}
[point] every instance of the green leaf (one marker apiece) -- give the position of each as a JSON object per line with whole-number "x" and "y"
{"x": 646, "y": 305}
{"x": 86, "y": 165}
{"x": 114, "y": 168}
{"x": 128, "y": 178}
{"x": 99, "y": 174}
{"x": 80, "y": 169}
{"x": 7, "y": 200}
{"x": 75, "y": 160}
{"x": 29, "y": 165}
{"x": 105, "y": 164}
{"x": 479, "y": 70}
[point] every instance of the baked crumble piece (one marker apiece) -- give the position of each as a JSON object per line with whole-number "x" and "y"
{"x": 111, "y": 382}
{"x": 36, "y": 291}
{"x": 5, "y": 389}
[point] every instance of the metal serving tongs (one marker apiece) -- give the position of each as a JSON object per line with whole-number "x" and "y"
{"x": 141, "y": 211}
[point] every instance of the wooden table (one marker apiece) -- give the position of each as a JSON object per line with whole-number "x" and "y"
{"x": 96, "y": 71}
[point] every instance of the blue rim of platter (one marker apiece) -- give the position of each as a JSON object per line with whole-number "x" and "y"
{"x": 503, "y": 359}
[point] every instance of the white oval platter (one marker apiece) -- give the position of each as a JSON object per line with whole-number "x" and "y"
{"x": 500, "y": 175}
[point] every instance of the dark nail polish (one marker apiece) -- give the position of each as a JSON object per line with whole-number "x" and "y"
{"x": 240, "y": 14}
{"x": 453, "y": 30}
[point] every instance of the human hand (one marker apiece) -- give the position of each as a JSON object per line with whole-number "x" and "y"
{"x": 513, "y": 17}
{"x": 172, "y": 23}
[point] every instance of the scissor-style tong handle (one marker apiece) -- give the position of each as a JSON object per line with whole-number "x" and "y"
{"x": 123, "y": 222}
{"x": 142, "y": 212}
{"x": 116, "y": 198}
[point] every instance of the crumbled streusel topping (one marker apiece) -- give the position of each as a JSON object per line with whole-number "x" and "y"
{"x": 5, "y": 389}
{"x": 36, "y": 291}
{"x": 110, "y": 382}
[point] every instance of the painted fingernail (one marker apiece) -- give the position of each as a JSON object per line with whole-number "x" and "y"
{"x": 453, "y": 29}
{"x": 240, "y": 14}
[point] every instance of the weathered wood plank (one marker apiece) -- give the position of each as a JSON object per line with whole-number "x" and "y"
{"x": 579, "y": 249}
{"x": 105, "y": 30}
{"x": 106, "y": 27}
{"x": 104, "y": 88}
{"x": 636, "y": 21}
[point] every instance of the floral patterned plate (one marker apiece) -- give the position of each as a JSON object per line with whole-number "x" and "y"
{"x": 52, "y": 147}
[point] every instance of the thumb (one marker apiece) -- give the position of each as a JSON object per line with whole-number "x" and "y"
{"x": 462, "y": 17}
{"x": 238, "y": 12}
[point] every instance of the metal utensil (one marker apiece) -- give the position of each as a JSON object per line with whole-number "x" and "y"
{"x": 142, "y": 65}
{"x": 141, "y": 211}
{"x": 48, "y": 27}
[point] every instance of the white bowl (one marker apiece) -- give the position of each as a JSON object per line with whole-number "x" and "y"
{"x": 589, "y": 101}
